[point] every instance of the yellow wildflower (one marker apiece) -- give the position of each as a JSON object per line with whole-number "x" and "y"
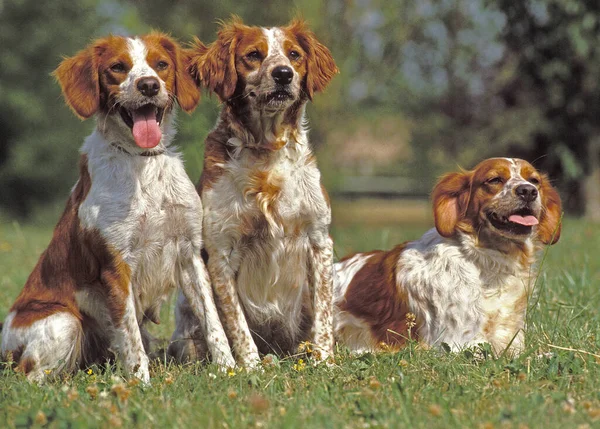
{"x": 305, "y": 347}
{"x": 300, "y": 365}
{"x": 411, "y": 320}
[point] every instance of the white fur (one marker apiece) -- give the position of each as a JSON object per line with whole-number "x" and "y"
{"x": 54, "y": 342}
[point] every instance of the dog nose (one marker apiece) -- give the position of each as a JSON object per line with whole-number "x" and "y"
{"x": 148, "y": 86}
{"x": 526, "y": 192}
{"x": 282, "y": 75}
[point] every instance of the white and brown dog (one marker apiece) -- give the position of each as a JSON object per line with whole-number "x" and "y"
{"x": 132, "y": 228}
{"x": 468, "y": 280}
{"x": 266, "y": 215}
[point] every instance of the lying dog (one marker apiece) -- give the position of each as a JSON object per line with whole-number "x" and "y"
{"x": 465, "y": 282}
{"x": 131, "y": 231}
{"x": 266, "y": 215}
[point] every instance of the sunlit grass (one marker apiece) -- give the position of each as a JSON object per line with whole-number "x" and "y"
{"x": 553, "y": 384}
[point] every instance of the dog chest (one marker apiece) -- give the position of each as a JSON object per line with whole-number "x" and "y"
{"x": 444, "y": 292}
{"x": 149, "y": 212}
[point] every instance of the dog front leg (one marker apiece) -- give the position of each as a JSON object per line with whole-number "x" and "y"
{"x": 223, "y": 279}
{"x": 127, "y": 338}
{"x": 197, "y": 289}
{"x": 321, "y": 292}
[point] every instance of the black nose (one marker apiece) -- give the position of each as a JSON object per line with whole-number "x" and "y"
{"x": 282, "y": 75}
{"x": 526, "y": 192}
{"x": 148, "y": 86}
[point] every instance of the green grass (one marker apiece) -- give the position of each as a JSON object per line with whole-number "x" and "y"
{"x": 545, "y": 387}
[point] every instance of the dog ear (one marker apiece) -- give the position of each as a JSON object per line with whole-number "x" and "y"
{"x": 78, "y": 79}
{"x": 320, "y": 64}
{"x": 450, "y": 198}
{"x": 213, "y": 67}
{"x": 550, "y": 221}
{"x": 186, "y": 90}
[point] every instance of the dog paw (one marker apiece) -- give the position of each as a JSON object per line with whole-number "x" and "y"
{"x": 224, "y": 360}
{"x": 141, "y": 370}
{"x": 321, "y": 356}
{"x": 251, "y": 362}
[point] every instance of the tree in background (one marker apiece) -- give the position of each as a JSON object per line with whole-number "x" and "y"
{"x": 424, "y": 86}
{"x": 555, "y": 48}
{"x": 40, "y": 136}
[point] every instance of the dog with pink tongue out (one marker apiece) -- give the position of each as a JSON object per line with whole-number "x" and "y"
{"x": 132, "y": 229}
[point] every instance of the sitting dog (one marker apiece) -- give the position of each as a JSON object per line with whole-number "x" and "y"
{"x": 266, "y": 215}
{"x": 131, "y": 230}
{"x": 463, "y": 283}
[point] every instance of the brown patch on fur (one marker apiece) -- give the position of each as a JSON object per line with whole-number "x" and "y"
{"x": 265, "y": 187}
{"x": 26, "y": 365}
{"x": 550, "y": 222}
{"x": 374, "y": 297}
{"x": 178, "y": 80}
{"x": 215, "y": 156}
{"x": 275, "y": 145}
{"x": 320, "y": 65}
{"x": 450, "y": 199}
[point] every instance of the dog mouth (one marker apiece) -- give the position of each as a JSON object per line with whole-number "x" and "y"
{"x": 144, "y": 123}
{"x": 278, "y": 97}
{"x": 519, "y": 223}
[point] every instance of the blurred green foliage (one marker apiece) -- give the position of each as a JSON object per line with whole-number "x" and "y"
{"x": 424, "y": 86}
{"x": 555, "y": 47}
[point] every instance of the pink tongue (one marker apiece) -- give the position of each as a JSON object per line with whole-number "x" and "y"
{"x": 146, "y": 131}
{"x": 523, "y": 220}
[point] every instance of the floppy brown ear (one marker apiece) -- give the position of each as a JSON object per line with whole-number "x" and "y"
{"x": 78, "y": 79}
{"x": 450, "y": 197}
{"x": 186, "y": 90}
{"x": 550, "y": 220}
{"x": 320, "y": 64}
{"x": 214, "y": 66}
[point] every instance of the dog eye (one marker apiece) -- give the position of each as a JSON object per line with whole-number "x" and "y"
{"x": 162, "y": 65}
{"x": 294, "y": 55}
{"x": 118, "y": 67}
{"x": 495, "y": 180}
{"x": 534, "y": 181}
{"x": 253, "y": 56}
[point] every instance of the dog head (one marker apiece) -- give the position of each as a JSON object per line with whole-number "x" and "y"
{"x": 501, "y": 197}
{"x": 131, "y": 83}
{"x": 268, "y": 68}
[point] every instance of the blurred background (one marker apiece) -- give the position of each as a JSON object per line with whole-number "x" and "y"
{"x": 425, "y": 86}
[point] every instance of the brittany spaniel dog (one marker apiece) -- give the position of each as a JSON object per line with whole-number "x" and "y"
{"x": 463, "y": 283}
{"x": 266, "y": 214}
{"x": 132, "y": 227}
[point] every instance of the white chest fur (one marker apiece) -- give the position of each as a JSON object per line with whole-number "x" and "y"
{"x": 267, "y": 213}
{"x": 463, "y": 295}
{"x": 147, "y": 210}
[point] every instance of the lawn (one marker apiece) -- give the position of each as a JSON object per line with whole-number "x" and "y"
{"x": 555, "y": 383}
